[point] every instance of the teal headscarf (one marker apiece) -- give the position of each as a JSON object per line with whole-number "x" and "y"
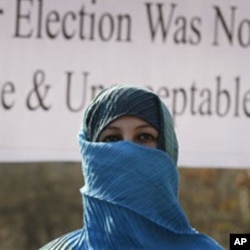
{"x": 130, "y": 194}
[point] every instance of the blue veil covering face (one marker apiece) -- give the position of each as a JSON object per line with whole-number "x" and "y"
{"x": 130, "y": 194}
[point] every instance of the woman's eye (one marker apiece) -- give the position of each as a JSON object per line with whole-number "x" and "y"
{"x": 111, "y": 138}
{"x": 146, "y": 137}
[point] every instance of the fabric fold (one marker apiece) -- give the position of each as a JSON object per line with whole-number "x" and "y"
{"x": 130, "y": 199}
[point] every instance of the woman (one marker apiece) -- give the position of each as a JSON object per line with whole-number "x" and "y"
{"x": 129, "y": 156}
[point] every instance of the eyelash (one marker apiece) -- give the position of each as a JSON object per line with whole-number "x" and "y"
{"x": 142, "y": 137}
{"x": 112, "y": 138}
{"x": 146, "y": 137}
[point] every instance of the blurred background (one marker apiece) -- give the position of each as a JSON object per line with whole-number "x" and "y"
{"x": 41, "y": 201}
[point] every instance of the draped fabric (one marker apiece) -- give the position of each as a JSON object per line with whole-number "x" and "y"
{"x": 131, "y": 202}
{"x": 130, "y": 195}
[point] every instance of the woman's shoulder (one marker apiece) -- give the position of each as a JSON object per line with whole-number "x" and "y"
{"x": 68, "y": 241}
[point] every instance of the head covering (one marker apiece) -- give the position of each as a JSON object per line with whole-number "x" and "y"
{"x": 114, "y": 102}
{"x": 130, "y": 193}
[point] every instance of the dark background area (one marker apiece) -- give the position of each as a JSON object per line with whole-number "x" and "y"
{"x": 41, "y": 201}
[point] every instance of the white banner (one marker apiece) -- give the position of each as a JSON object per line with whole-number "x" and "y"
{"x": 55, "y": 55}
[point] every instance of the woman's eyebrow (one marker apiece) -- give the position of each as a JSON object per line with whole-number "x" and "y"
{"x": 112, "y": 128}
{"x": 144, "y": 126}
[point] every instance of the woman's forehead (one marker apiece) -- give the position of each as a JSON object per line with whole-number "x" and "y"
{"x": 126, "y": 120}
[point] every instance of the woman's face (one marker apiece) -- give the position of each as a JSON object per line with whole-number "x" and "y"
{"x": 130, "y": 128}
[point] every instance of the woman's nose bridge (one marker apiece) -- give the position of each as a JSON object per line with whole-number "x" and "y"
{"x": 128, "y": 136}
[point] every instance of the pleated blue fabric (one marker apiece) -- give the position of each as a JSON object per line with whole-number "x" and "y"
{"x": 131, "y": 202}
